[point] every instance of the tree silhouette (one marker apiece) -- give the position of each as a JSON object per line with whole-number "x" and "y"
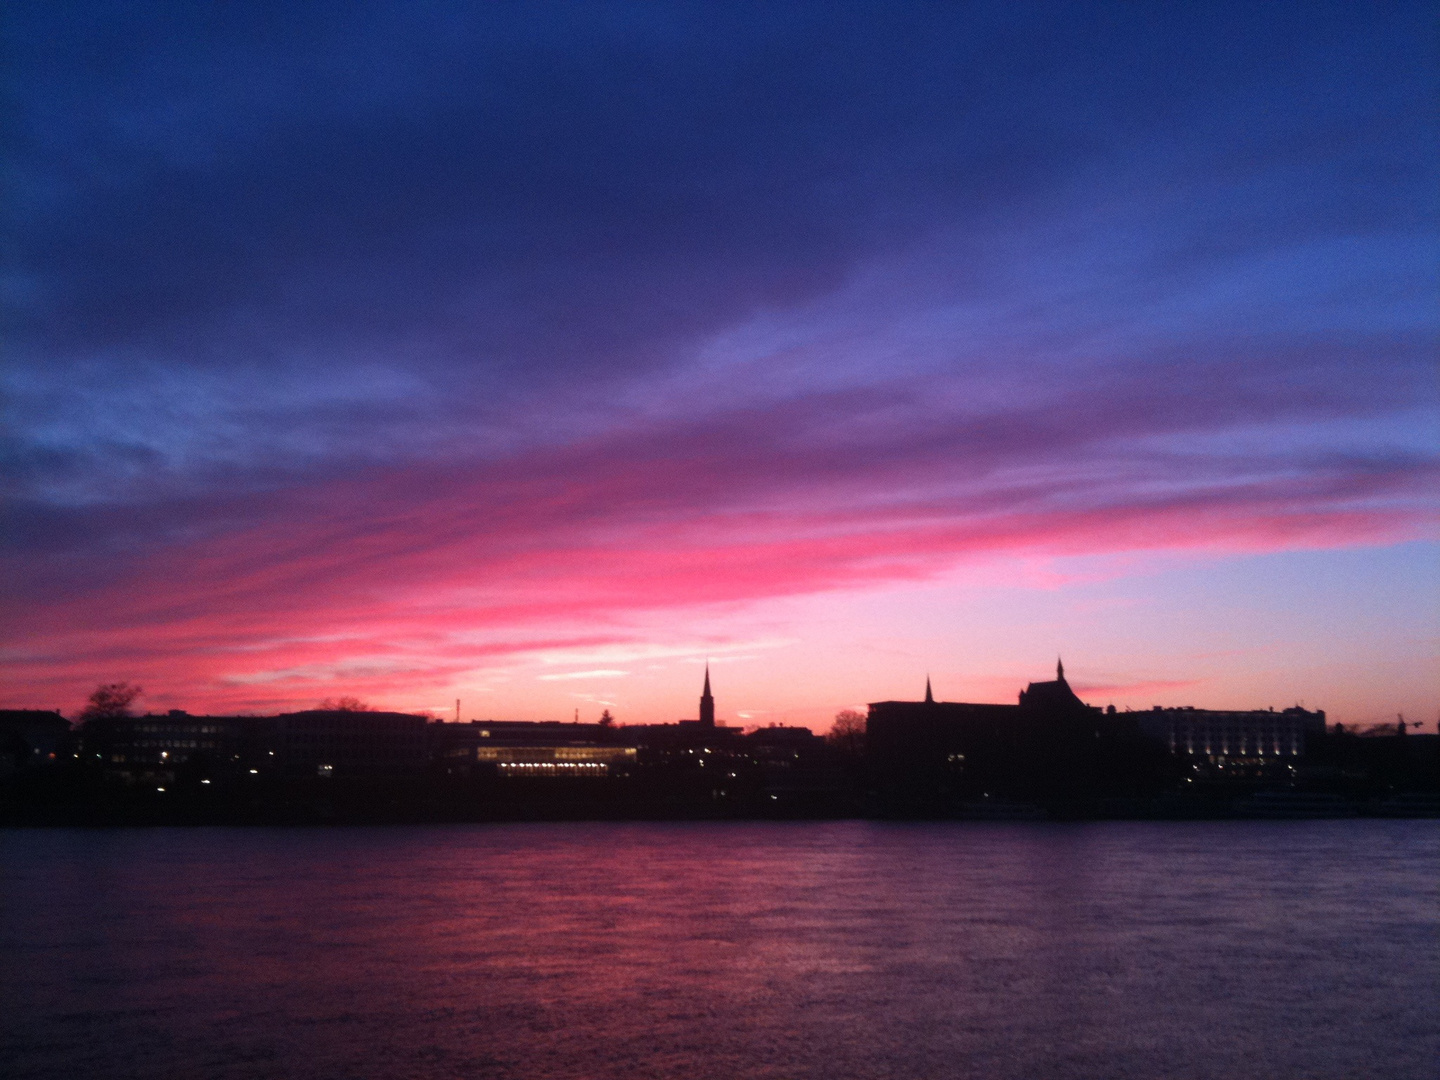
{"x": 847, "y": 733}
{"x": 110, "y": 700}
{"x": 606, "y": 720}
{"x": 345, "y": 704}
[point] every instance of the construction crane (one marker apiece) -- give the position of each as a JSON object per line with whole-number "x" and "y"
{"x": 1401, "y": 723}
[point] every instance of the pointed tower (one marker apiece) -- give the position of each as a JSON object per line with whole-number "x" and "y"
{"x": 707, "y": 703}
{"x": 929, "y": 697}
{"x": 1055, "y": 698}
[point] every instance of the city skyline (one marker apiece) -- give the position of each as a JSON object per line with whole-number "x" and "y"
{"x": 707, "y": 718}
{"x": 1046, "y": 754}
{"x": 662, "y": 538}
{"x": 537, "y": 360}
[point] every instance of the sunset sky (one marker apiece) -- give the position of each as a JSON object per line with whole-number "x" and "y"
{"x": 531, "y": 355}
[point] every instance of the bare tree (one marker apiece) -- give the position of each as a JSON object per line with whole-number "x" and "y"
{"x": 344, "y": 704}
{"x": 110, "y": 700}
{"x": 847, "y": 733}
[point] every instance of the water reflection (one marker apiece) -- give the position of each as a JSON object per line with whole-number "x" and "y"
{"x": 1235, "y": 949}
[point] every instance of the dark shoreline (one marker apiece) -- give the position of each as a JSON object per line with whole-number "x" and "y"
{"x": 154, "y": 811}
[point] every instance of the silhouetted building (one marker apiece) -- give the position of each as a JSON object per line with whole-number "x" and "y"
{"x": 702, "y": 763}
{"x": 707, "y": 703}
{"x": 795, "y": 766}
{"x": 144, "y": 749}
{"x": 695, "y": 764}
{"x": 1049, "y": 754}
{"x": 1378, "y": 762}
{"x": 160, "y": 749}
{"x": 1053, "y": 697}
{"x": 931, "y": 756}
{"x": 30, "y": 738}
{"x": 706, "y": 725}
{"x": 343, "y": 743}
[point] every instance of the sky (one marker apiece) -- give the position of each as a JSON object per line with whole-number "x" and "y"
{"x": 535, "y": 355}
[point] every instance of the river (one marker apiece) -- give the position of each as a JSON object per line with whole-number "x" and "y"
{"x": 827, "y": 950}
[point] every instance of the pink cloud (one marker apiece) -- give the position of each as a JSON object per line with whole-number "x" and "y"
{"x": 382, "y": 581}
{"x": 1133, "y": 689}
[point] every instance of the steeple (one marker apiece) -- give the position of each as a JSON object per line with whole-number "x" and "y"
{"x": 1054, "y": 697}
{"x": 707, "y": 702}
{"x": 929, "y": 697}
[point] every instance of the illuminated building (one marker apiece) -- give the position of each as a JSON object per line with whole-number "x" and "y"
{"x": 569, "y": 761}
{"x": 515, "y": 748}
{"x": 1234, "y": 742}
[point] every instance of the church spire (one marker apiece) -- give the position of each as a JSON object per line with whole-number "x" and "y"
{"x": 707, "y": 703}
{"x": 929, "y": 697}
{"x": 1059, "y": 670}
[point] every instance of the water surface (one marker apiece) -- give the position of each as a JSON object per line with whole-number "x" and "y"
{"x": 835, "y": 950}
